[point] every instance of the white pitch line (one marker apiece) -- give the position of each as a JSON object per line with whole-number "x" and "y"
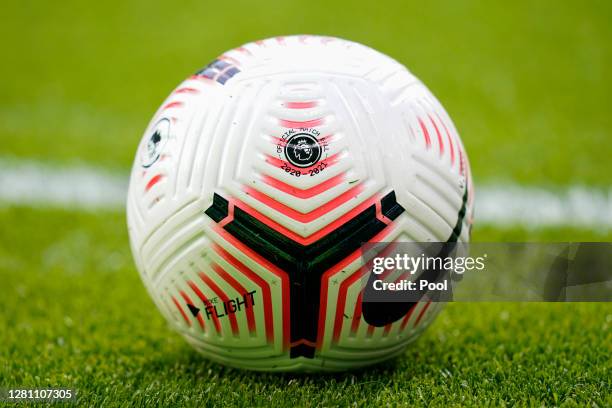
{"x": 34, "y": 184}
{"x": 534, "y": 207}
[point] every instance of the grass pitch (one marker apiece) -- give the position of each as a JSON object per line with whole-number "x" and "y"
{"x": 526, "y": 84}
{"x": 75, "y": 314}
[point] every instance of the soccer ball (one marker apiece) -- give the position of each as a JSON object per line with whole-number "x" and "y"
{"x": 256, "y": 184}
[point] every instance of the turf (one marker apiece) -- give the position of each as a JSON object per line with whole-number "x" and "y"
{"x": 75, "y": 314}
{"x": 526, "y": 82}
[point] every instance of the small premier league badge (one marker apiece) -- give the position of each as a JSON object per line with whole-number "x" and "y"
{"x": 155, "y": 144}
{"x": 302, "y": 149}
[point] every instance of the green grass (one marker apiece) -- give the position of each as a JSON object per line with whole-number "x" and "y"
{"x": 75, "y": 314}
{"x": 525, "y": 82}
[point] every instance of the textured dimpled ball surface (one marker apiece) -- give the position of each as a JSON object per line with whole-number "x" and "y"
{"x": 258, "y": 180}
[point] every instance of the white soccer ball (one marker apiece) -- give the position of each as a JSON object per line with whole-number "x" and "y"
{"x": 258, "y": 180}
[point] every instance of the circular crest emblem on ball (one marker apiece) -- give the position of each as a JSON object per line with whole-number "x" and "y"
{"x": 155, "y": 143}
{"x": 303, "y": 150}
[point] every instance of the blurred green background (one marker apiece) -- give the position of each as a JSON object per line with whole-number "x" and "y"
{"x": 527, "y": 84}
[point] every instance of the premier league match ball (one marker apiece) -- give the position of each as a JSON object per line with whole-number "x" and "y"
{"x": 259, "y": 180}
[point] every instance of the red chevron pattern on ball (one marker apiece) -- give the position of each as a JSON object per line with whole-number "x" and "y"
{"x": 258, "y": 181}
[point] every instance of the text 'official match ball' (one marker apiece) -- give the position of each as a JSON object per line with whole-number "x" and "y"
{"x": 259, "y": 179}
